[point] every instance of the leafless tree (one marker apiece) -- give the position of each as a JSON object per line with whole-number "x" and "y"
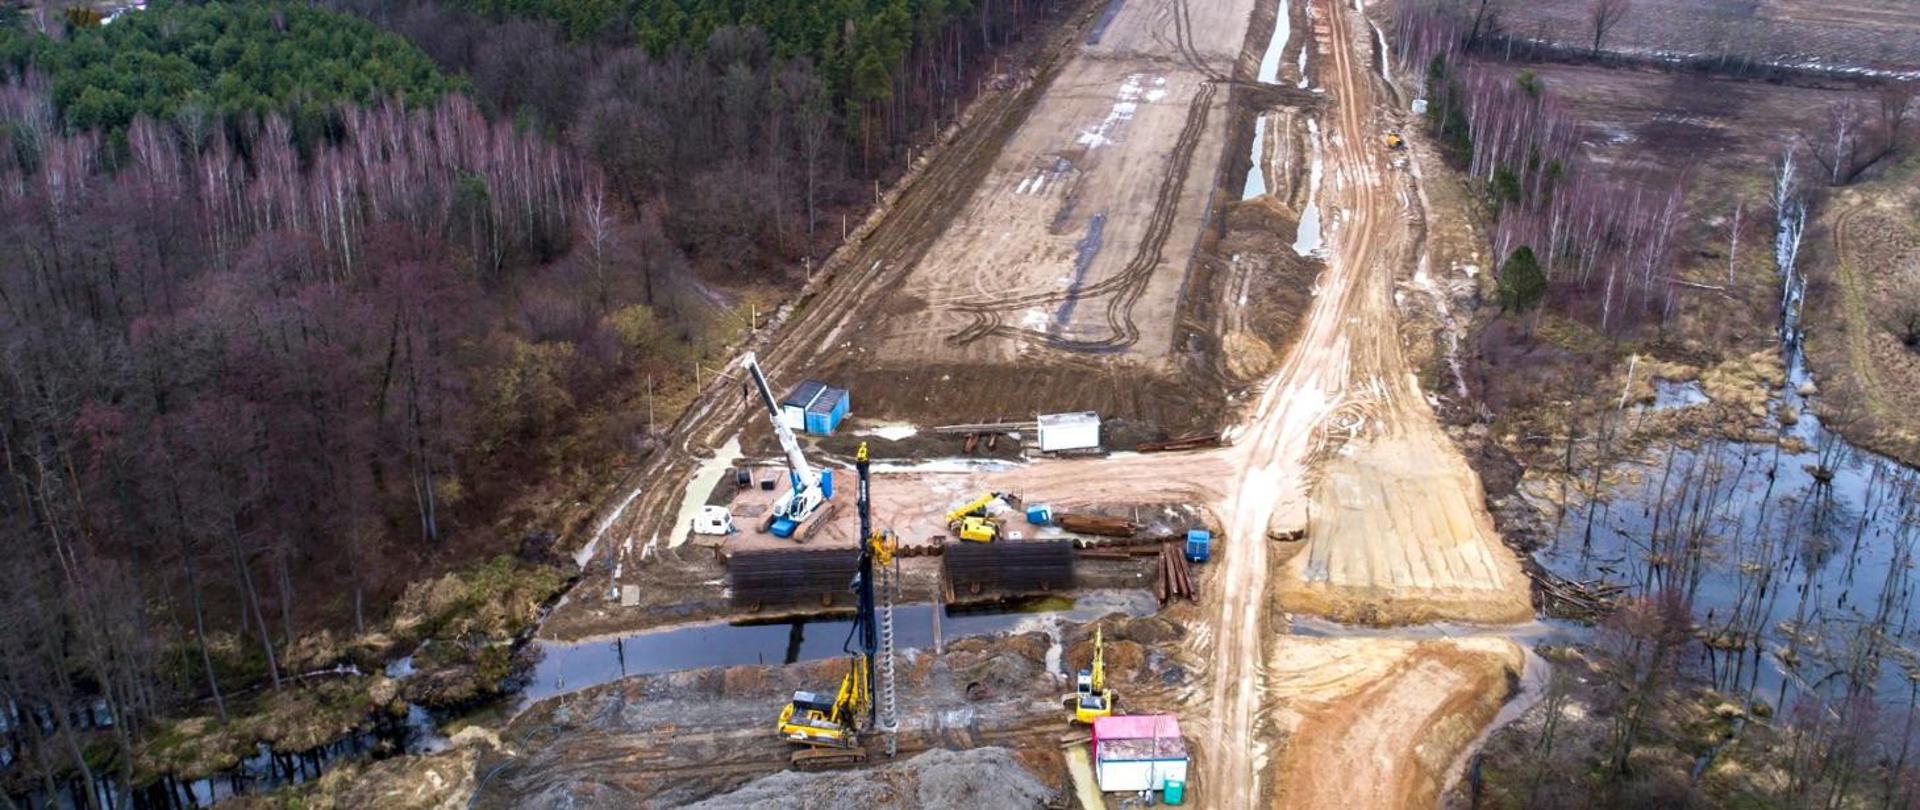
{"x": 1603, "y": 16}
{"x": 1896, "y": 108}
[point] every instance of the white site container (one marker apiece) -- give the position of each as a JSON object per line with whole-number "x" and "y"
{"x": 1069, "y": 431}
{"x": 1135, "y": 775}
{"x": 1132, "y": 753}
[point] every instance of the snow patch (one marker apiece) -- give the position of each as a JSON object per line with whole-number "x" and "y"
{"x": 585, "y": 554}
{"x": 892, "y": 433}
{"x": 1126, "y": 102}
{"x": 1304, "y": 78}
{"x": 1386, "y": 65}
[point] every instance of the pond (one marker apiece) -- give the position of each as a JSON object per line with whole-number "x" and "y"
{"x": 1798, "y": 555}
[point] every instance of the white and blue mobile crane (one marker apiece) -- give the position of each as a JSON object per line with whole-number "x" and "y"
{"x": 808, "y": 491}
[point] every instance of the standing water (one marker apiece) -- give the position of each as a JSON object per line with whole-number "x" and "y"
{"x": 1797, "y": 555}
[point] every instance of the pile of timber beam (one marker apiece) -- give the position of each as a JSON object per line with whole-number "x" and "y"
{"x": 995, "y": 428}
{"x": 1175, "y": 575}
{"x": 1192, "y": 442}
{"x": 1097, "y": 524}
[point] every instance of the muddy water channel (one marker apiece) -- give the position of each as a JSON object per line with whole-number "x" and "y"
{"x": 1797, "y": 556}
{"x": 561, "y": 668}
{"x": 568, "y": 667}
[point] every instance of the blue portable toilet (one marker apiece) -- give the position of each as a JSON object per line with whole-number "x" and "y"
{"x": 1040, "y": 514}
{"x": 824, "y": 414}
{"x": 1199, "y": 545}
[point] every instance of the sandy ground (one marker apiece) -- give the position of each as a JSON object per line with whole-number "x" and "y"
{"x": 1397, "y": 512}
{"x": 1079, "y": 236}
{"x": 915, "y": 504}
{"x": 1396, "y": 711}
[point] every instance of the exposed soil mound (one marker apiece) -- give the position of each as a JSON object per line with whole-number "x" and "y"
{"x": 980, "y": 777}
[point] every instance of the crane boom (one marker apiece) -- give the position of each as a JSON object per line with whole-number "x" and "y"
{"x": 796, "y": 462}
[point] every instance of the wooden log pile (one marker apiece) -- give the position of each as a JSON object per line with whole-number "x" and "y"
{"x": 1573, "y": 599}
{"x": 1175, "y": 575}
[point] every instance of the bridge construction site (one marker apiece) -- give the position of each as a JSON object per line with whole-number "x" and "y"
{"x": 1045, "y": 468}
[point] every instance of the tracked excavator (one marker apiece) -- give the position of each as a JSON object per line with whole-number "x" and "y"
{"x": 1091, "y": 699}
{"x": 831, "y": 731}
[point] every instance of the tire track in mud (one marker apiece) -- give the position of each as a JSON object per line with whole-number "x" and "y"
{"x": 1124, "y": 289}
{"x": 916, "y": 218}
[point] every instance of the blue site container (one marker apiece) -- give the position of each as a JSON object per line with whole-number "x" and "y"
{"x": 1040, "y": 514}
{"x": 1174, "y": 792}
{"x": 1199, "y": 545}
{"x": 824, "y": 415}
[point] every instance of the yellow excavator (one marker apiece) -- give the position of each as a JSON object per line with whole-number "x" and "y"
{"x": 971, "y": 522}
{"x": 1091, "y": 699}
{"x": 830, "y": 730}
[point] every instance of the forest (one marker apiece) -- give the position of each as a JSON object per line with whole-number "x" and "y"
{"x": 296, "y": 300}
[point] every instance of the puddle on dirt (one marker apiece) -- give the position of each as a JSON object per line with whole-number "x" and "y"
{"x": 1282, "y": 34}
{"x": 1308, "y": 240}
{"x": 1256, "y": 185}
{"x": 563, "y": 668}
{"x": 1084, "y": 251}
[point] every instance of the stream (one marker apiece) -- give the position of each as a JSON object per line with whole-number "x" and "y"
{"x": 1805, "y": 583}
{"x": 563, "y": 668}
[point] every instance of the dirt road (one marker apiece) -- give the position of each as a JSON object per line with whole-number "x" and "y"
{"x": 1400, "y": 530}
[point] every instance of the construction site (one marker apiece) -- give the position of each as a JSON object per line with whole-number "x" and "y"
{"x": 1034, "y": 381}
{"x": 1235, "y": 404}
{"x": 1104, "y": 465}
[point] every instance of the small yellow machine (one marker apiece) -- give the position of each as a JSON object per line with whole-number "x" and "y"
{"x": 971, "y": 522}
{"x": 1394, "y": 141}
{"x": 1091, "y": 698}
